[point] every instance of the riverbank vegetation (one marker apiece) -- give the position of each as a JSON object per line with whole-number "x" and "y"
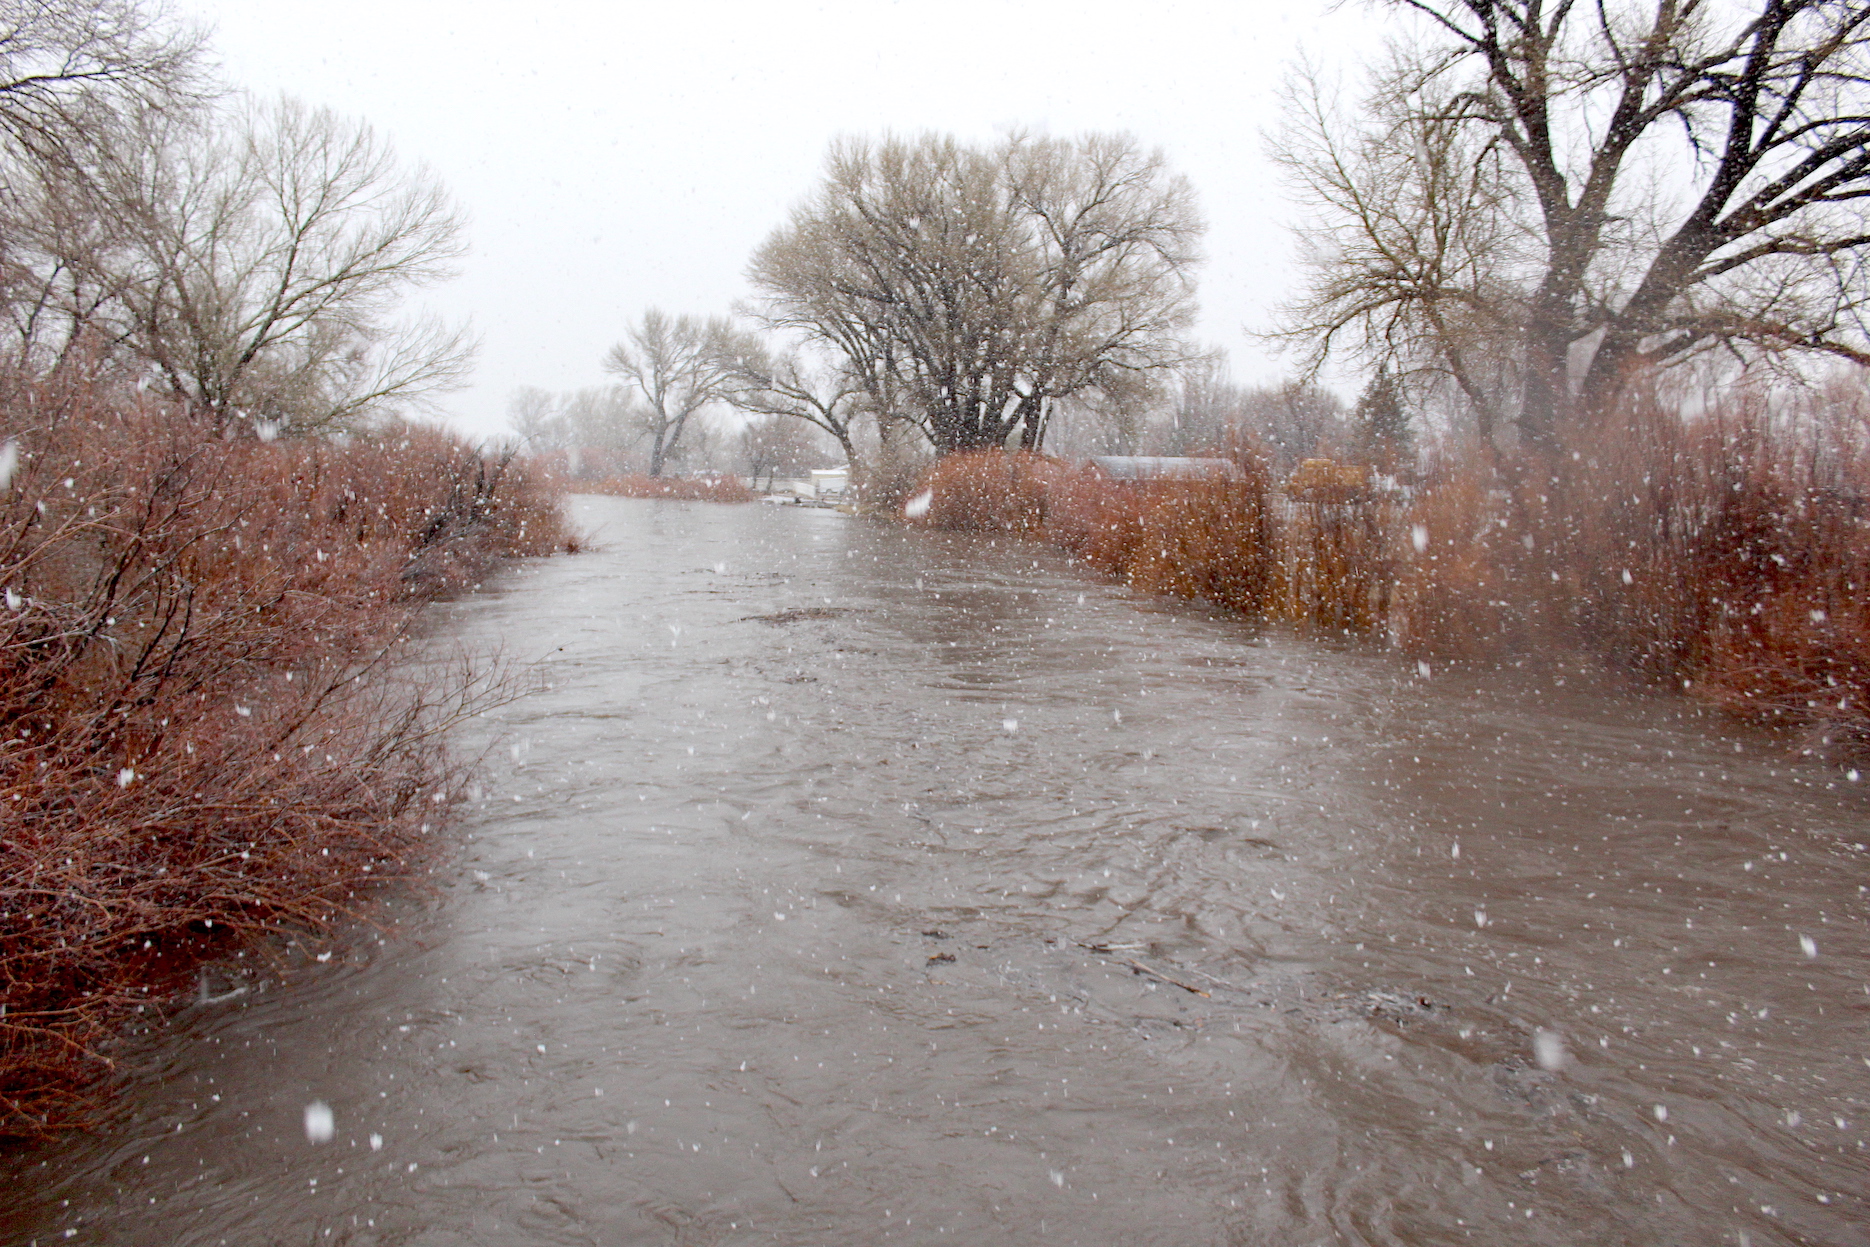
{"x": 1726, "y": 555}
{"x": 1606, "y": 414}
{"x": 210, "y": 729}
{"x": 677, "y": 488}
{"x": 218, "y": 526}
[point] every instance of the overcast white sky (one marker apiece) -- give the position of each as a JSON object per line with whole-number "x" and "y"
{"x": 613, "y": 157}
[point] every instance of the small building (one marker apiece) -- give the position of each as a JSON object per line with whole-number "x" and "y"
{"x": 1166, "y": 468}
{"x": 830, "y": 482}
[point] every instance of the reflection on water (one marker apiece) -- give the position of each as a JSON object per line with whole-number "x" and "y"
{"x": 848, "y": 885}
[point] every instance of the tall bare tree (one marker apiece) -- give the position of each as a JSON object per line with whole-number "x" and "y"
{"x": 1204, "y": 407}
{"x": 1598, "y": 187}
{"x": 538, "y": 419}
{"x": 65, "y": 259}
{"x": 765, "y": 385}
{"x": 771, "y": 445}
{"x": 971, "y": 289}
{"x": 68, "y": 67}
{"x": 1414, "y": 247}
{"x": 273, "y": 258}
{"x": 79, "y": 81}
{"x": 676, "y": 366}
{"x": 603, "y": 427}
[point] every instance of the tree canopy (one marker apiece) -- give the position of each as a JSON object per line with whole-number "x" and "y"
{"x": 1540, "y": 199}
{"x": 966, "y": 290}
{"x": 674, "y": 367}
{"x": 247, "y": 259}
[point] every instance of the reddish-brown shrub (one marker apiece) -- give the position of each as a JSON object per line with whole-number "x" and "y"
{"x": 1458, "y": 592}
{"x": 1731, "y": 555}
{"x": 983, "y": 491}
{"x": 1212, "y": 540}
{"x": 1727, "y": 554}
{"x": 1208, "y": 539}
{"x": 677, "y": 488}
{"x": 1096, "y": 518}
{"x": 207, "y": 733}
{"x": 1337, "y": 557}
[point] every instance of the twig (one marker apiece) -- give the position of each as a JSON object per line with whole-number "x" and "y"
{"x": 1140, "y": 968}
{"x": 1203, "y": 974}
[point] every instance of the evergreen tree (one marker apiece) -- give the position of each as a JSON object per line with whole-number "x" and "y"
{"x": 1383, "y": 434}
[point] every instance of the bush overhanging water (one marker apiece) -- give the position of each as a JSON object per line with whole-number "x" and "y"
{"x": 209, "y": 732}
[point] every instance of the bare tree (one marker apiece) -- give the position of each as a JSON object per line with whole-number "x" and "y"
{"x": 834, "y": 402}
{"x": 774, "y": 444}
{"x": 273, "y": 258}
{"x": 969, "y": 290}
{"x": 65, "y": 266}
{"x": 1603, "y": 186}
{"x": 1203, "y": 408}
{"x": 250, "y": 263}
{"x": 538, "y": 419}
{"x": 69, "y": 67}
{"x": 1293, "y": 421}
{"x": 598, "y": 429}
{"x": 1413, "y": 251}
{"x": 1113, "y": 235}
{"x": 676, "y": 367}
{"x": 604, "y": 420}
{"x": 78, "y": 83}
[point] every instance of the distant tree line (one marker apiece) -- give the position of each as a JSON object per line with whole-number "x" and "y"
{"x": 1528, "y": 207}
{"x": 933, "y": 297}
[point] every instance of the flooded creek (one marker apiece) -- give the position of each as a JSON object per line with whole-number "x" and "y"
{"x": 847, "y": 885}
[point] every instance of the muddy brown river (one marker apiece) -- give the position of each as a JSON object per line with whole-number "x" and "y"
{"x": 847, "y": 885}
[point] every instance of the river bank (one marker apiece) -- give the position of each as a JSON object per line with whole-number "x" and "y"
{"x": 1725, "y": 558}
{"x": 211, "y": 737}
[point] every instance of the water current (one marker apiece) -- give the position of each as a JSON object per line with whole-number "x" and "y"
{"x": 846, "y": 885}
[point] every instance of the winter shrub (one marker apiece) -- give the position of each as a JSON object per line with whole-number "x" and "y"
{"x": 983, "y": 491}
{"x": 1730, "y": 554}
{"x": 678, "y": 488}
{"x": 209, "y": 731}
{"x": 1726, "y": 554}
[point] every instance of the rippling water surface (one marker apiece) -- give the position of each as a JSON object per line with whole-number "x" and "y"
{"x": 844, "y": 885}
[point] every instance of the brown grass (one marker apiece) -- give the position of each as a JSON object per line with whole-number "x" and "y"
{"x": 208, "y": 733}
{"x": 678, "y": 488}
